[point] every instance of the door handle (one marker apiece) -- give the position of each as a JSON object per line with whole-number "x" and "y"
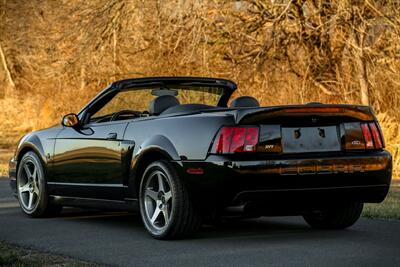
{"x": 112, "y": 136}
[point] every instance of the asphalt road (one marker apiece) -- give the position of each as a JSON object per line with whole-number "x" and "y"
{"x": 119, "y": 239}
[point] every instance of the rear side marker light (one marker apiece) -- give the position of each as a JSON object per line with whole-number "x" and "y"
{"x": 236, "y": 140}
{"x": 372, "y": 135}
{"x": 197, "y": 171}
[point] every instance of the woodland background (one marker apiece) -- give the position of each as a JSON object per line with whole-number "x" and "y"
{"x": 56, "y": 54}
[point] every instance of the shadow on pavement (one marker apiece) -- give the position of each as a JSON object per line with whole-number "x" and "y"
{"x": 232, "y": 229}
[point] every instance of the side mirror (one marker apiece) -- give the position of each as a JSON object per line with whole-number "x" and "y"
{"x": 70, "y": 120}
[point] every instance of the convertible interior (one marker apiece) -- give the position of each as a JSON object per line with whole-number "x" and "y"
{"x": 169, "y": 104}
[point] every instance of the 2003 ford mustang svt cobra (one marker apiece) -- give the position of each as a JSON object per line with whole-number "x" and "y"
{"x": 173, "y": 148}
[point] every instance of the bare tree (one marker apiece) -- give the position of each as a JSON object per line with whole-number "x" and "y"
{"x": 11, "y": 83}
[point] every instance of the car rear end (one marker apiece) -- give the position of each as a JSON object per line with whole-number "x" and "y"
{"x": 297, "y": 157}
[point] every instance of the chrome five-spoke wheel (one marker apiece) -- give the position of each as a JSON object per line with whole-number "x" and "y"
{"x": 31, "y": 187}
{"x": 158, "y": 200}
{"x": 165, "y": 206}
{"x": 29, "y": 184}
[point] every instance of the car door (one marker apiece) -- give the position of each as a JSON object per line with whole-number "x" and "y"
{"x": 91, "y": 158}
{"x": 87, "y": 161}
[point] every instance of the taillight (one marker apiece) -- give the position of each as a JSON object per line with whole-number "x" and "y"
{"x": 372, "y": 136}
{"x": 376, "y": 136}
{"x": 236, "y": 140}
{"x": 223, "y": 141}
{"x": 367, "y": 136}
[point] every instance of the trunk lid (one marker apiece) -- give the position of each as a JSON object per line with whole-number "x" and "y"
{"x": 308, "y": 128}
{"x": 309, "y": 114}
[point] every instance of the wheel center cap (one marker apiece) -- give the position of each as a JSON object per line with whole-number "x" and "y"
{"x": 161, "y": 197}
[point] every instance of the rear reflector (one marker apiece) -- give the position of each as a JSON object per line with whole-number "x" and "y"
{"x": 372, "y": 136}
{"x": 236, "y": 140}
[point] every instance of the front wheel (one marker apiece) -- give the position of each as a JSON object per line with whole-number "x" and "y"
{"x": 31, "y": 188}
{"x": 166, "y": 209}
{"x": 338, "y": 216}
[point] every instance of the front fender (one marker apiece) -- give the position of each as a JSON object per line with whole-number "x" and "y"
{"x": 31, "y": 142}
{"x": 42, "y": 143}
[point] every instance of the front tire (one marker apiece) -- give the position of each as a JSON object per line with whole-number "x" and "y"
{"x": 32, "y": 189}
{"x": 338, "y": 216}
{"x": 166, "y": 209}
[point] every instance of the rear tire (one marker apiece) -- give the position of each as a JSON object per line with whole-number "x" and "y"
{"x": 165, "y": 206}
{"x": 32, "y": 188}
{"x": 335, "y": 217}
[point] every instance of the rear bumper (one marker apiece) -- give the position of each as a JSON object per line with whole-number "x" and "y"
{"x": 315, "y": 178}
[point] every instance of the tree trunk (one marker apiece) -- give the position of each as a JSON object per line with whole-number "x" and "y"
{"x": 363, "y": 78}
{"x": 11, "y": 85}
{"x": 361, "y": 63}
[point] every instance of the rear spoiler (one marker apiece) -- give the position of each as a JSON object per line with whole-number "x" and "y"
{"x": 255, "y": 115}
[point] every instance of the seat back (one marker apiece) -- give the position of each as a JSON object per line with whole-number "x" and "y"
{"x": 245, "y": 102}
{"x": 161, "y": 103}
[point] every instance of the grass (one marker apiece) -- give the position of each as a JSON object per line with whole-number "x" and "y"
{"x": 9, "y": 256}
{"x": 5, "y": 155}
{"x": 388, "y": 209}
{"x": 8, "y": 143}
{"x": 14, "y": 256}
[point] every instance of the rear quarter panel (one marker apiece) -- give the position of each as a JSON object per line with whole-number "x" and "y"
{"x": 190, "y": 136}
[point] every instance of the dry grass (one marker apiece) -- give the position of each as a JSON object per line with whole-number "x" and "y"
{"x": 57, "y": 56}
{"x": 391, "y": 130}
{"x": 5, "y": 155}
{"x": 14, "y": 256}
{"x": 388, "y": 209}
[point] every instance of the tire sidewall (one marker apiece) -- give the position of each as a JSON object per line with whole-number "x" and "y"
{"x": 172, "y": 179}
{"x": 43, "y": 199}
{"x": 337, "y": 216}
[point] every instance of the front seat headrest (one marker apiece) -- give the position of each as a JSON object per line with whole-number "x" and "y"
{"x": 161, "y": 103}
{"x": 245, "y": 102}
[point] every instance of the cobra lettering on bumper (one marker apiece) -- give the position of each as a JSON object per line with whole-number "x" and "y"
{"x": 322, "y": 169}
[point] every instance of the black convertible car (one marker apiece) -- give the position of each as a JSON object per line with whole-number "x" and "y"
{"x": 173, "y": 148}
